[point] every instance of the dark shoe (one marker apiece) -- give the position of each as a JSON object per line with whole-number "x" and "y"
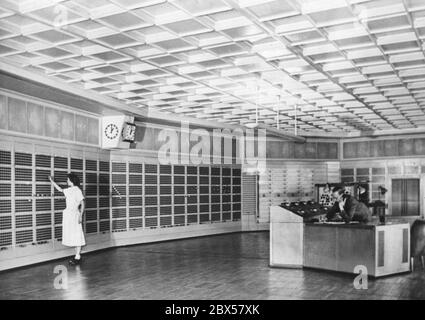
{"x": 74, "y": 262}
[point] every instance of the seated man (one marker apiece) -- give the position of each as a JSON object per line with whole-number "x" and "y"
{"x": 347, "y": 207}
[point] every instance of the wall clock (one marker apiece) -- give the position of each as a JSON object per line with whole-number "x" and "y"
{"x": 129, "y": 132}
{"x": 111, "y": 131}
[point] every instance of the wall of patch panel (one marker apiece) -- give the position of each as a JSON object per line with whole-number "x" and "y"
{"x": 290, "y": 182}
{"x": 148, "y": 195}
{"x": 31, "y": 210}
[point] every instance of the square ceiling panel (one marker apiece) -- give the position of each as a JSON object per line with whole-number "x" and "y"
{"x": 4, "y": 50}
{"x": 142, "y": 51}
{"x": 332, "y": 17}
{"x": 111, "y": 57}
{"x": 214, "y": 64}
{"x": 154, "y": 34}
{"x": 91, "y": 29}
{"x": 117, "y": 41}
{"x": 134, "y": 4}
{"x": 55, "y": 53}
{"x": 304, "y": 37}
{"x": 270, "y": 10}
{"x": 4, "y": 34}
{"x": 187, "y": 27}
{"x": 98, "y": 8}
{"x": 210, "y": 39}
{"x": 23, "y": 24}
{"x": 58, "y": 15}
{"x": 297, "y": 23}
{"x": 227, "y": 50}
{"x": 354, "y": 43}
{"x": 229, "y": 19}
{"x": 175, "y": 45}
{"x": 199, "y": 8}
{"x": 55, "y": 37}
{"x": 166, "y": 61}
{"x": 388, "y": 24}
{"x": 124, "y": 21}
{"x": 346, "y": 31}
{"x": 164, "y": 13}
{"x": 56, "y": 66}
{"x": 243, "y": 33}
{"x": 314, "y": 6}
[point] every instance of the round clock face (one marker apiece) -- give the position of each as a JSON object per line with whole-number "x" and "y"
{"x": 129, "y": 133}
{"x": 111, "y": 131}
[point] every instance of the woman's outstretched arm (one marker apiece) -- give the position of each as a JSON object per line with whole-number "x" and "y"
{"x": 55, "y": 184}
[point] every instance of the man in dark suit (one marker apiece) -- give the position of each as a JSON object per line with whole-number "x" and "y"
{"x": 347, "y": 207}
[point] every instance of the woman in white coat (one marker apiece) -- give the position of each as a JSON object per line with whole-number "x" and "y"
{"x": 72, "y": 229}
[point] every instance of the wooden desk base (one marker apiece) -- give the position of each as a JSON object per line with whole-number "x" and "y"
{"x": 382, "y": 249}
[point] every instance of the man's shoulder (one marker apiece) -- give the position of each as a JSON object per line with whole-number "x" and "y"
{"x": 350, "y": 198}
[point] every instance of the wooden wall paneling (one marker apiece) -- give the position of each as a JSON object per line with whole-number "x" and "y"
{"x": 310, "y": 150}
{"x": 390, "y": 148}
{"x": 52, "y": 117}
{"x": 406, "y": 147}
{"x": 323, "y": 150}
{"x": 35, "y": 119}
{"x": 93, "y": 131}
{"x": 376, "y": 149}
{"x": 145, "y": 139}
{"x": 363, "y": 149}
{"x": 3, "y": 113}
{"x": 17, "y": 115}
{"x": 42, "y": 119}
{"x": 384, "y": 148}
{"x": 299, "y": 150}
{"x": 274, "y": 149}
{"x": 67, "y": 125}
{"x": 419, "y": 146}
{"x": 333, "y": 150}
{"x": 81, "y": 128}
{"x": 288, "y": 150}
{"x": 349, "y": 150}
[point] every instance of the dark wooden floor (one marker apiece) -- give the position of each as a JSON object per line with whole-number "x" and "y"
{"x": 233, "y": 266}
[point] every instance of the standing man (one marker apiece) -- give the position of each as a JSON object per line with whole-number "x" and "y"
{"x": 347, "y": 207}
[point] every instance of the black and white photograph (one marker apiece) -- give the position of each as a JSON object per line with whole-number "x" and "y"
{"x": 212, "y": 155}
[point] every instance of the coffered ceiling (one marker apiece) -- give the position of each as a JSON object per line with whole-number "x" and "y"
{"x": 325, "y": 66}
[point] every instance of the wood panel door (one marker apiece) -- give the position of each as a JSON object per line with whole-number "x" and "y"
{"x": 412, "y": 197}
{"x": 405, "y": 197}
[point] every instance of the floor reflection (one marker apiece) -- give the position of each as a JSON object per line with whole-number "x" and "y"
{"x": 233, "y": 266}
